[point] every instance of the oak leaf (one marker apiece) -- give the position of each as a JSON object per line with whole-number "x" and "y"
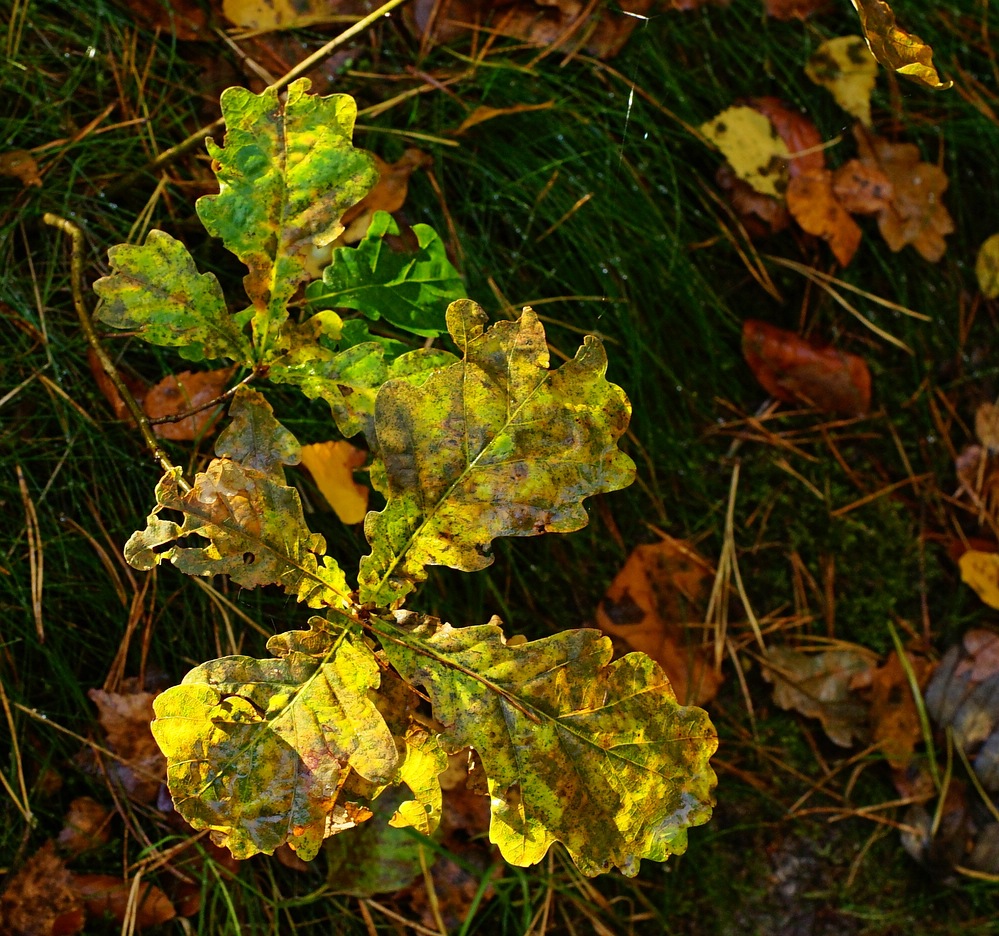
{"x": 861, "y": 188}
{"x": 814, "y": 205}
{"x": 494, "y": 445}
{"x": 577, "y": 749}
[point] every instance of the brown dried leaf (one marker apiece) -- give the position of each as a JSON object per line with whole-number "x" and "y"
{"x": 87, "y": 826}
{"x": 915, "y": 213}
{"x": 125, "y": 719}
{"x": 793, "y": 9}
{"x": 760, "y": 214}
{"x": 179, "y": 393}
{"x": 138, "y": 388}
{"x": 108, "y": 895}
{"x": 39, "y": 900}
{"x": 813, "y": 204}
{"x": 652, "y": 605}
{"x": 861, "y": 188}
{"x": 482, "y": 113}
{"x": 185, "y": 19}
{"x": 20, "y": 164}
{"x": 389, "y": 193}
{"x": 894, "y": 717}
{"x": 800, "y": 135}
{"x": 822, "y": 686}
{"x": 795, "y": 370}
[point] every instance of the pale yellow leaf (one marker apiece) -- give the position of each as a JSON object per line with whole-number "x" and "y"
{"x": 332, "y": 466}
{"x": 987, "y": 267}
{"x": 980, "y": 570}
{"x": 752, "y": 146}
{"x": 845, "y": 67}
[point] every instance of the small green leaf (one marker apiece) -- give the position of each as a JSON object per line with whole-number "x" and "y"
{"x": 253, "y": 521}
{"x": 577, "y": 749}
{"x": 409, "y": 290}
{"x": 494, "y": 445}
{"x": 156, "y": 291}
{"x": 287, "y": 172}
{"x": 356, "y": 331}
{"x": 257, "y": 749}
{"x": 349, "y": 380}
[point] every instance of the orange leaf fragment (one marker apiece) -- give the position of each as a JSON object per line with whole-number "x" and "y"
{"x": 106, "y": 894}
{"x": 894, "y": 716}
{"x": 655, "y": 605}
{"x": 180, "y": 393}
{"x": 813, "y": 204}
{"x": 800, "y": 135}
{"x": 332, "y": 466}
{"x": 795, "y": 370}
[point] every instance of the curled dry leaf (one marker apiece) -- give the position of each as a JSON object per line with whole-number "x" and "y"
{"x": 140, "y": 768}
{"x": 39, "y": 900}
{"x": 20, "y": 164}
{"x": 108, "y": 895}
{"x": 179, "y": 393}
{"x": 332, "y": 466}
{"x": 987, "y": 267}
{"x": 795, "y": 370}
{"x": 812, "y": 202}
{"x": 915, "y": 213}
{"x": 87, "y": 826}
{"x": 845, "y": 67}
{"x": 895, "y": 48}
{"x": 656, "y": 605}
{"x": 822, "y": 685}
{"x": 752, "y": 146}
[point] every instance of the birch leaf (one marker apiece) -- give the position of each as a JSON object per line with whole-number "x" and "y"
{"x": 287, "y": 172}
{"x": 253, "y": 520}
{"x": 156, "y": 291}
{"x": 579, "y": 750}
{"x": 258, "y": 750}
{"x": 494, "y": 445}
{"x": 410, "y": 290}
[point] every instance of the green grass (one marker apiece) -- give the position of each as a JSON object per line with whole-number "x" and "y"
{"x": 671, "y": 314}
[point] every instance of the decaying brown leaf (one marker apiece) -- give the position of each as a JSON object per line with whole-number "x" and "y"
{"x": 185, "y": 19}
{"x": 895, "y": 48}
{"x": 39, "y": 900}
{"x": 760, "y": 214}
{"x": 795, "y": 370}
{"x": 21, "y": 165}
{"x": 822, "y": 685}
{"x": 389, "y": 193}
{"x": 87, "y": 826}
{"x": 800, "y": 135}
{"x": 138, "y": 388}
{"x": 656, "y": 605}
{"x": 812, "y": 202}
{"x": 125, "y": 718}
{"x": 793, "y": 9}
{"x": 915, "y": 213}
{"x": 179, "y": 393}
{"x": 482, "y": 113}
{"x": 108, "y": 895}
{"x": 861, "y": 188}
{"x": 894, "y": 717}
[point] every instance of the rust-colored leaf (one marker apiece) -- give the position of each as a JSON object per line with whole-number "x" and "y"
{"x": 482, "y": 113}
{"x": 795, "y": 370}
{"x": 802, "y": 137}
{"x": 108, "y": 895}
{"x": 180, "y": 393}
{"x": 895, "y": 48}
{"x": 655, "y": 605}
{"x": 39, "y": 899}
{"x": 793, "y": 9}
{"x": 894, "y": 717}
{"x": 138, "y": 388}
{"x": 813, "y": 203}
{"x": 760, "y": 214}
{"x": 140, "y": 768}
{"x": 861, "y": 188}
{"x": 87, "y": 826}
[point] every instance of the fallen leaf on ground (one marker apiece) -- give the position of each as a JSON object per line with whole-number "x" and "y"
{"x": 793, "y": 9}
{"x": 482, "y": 113}
{"x": 389, "y": 194}
{"x": 140, "y": 767}
{"x": 895, "y": 48}
{"x": 980, "y": 570}
{"x": 800, "y": 135}
{"x": 267, "y": 15}
{"x": 813, "y": 204}
{"x": 179, "y": 393}
{"x": 138, "y": 388}
{"x": 332, "y": 465}
{"x": 895, "y": 721}
{"x": 822, "y": 685}
{"x": 752, "y": 146}
{"x": 760, "y": 214}
{"x": 795, "y": 370}
{"x": 987, "y": 267}
{"x": 915, "y": 213}
{"x": 20, "y": 164}
{"x": 651, "y": 605}
{"x": 845, "y": 67}
{"x": 987, "y": 425}
{"x": 185, "y": 19}
{"x": 87, "y": 826}
{"x": 39, "y": 899}
{"x": 861, "y": 188}
{"x": 108, "y": 895}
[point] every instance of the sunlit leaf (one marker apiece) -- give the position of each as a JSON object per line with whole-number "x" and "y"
{"x": 410, "y": 290}
{"x": 578, "y": 750}
{"x": 156, "y": 291}
{"x": 257, "y": 750}
{"x": 332, "y": 465}
{"x": 494, "y": 445}
{"x": 287, "y": 172}
{"x": 895, "y": 48}
{"x": 253, "y": 521}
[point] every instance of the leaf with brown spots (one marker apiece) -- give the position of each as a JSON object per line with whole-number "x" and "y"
{"x": 656, "y": 605}
{"x": 493, "y": 445}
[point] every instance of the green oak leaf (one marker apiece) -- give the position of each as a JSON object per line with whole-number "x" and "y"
{"x": 579, "y": 750}
{"x": 494, "y": 445}
{"x": 410, "y": 290}
{"x": 356, "y": 331}
{"x": 258, "y": 750}
{"x": 156, "y": 291}
{"x": 349, "y": 380}
{"x": 253, "y": 521}
{"x": 287, "y": 172}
